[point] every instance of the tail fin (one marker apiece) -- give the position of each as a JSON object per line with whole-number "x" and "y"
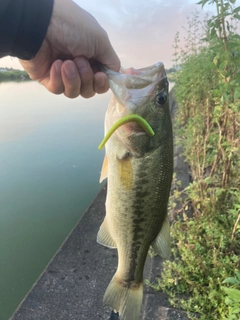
{"x": 127, "y": 301}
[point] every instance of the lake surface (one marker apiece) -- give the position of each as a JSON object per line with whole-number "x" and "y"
{"x": 49, "y": 175}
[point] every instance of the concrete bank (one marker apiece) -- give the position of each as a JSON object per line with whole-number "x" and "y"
{"x": 73, "y": 284}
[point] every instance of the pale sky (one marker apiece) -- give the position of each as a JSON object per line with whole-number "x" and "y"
{"x": 141, "y": 31}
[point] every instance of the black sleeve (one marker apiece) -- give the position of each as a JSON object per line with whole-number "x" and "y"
{"x": 23, "y": 26}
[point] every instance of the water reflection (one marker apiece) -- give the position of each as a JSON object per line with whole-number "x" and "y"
{"x": 49, "y": 171}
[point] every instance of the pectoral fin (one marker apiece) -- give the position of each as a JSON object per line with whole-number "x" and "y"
{"x": 125, "y": 173}
{"x": 162, "y": 244}
{"x": 104, "y": 172}
{"x": 104, "y": 238}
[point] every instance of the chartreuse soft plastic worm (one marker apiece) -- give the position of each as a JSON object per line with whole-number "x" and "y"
{"x": 132, "y": 117}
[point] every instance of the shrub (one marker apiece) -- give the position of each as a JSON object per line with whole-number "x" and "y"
{"x": 207, "y": 90}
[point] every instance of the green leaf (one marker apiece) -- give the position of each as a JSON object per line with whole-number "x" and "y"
{"x": 233, "y": 294}
{"x": 202, "y": 2}
{"x": 228, "y": 301}
{"x": 237, "y": 94}
{"x": 236, "y": 16}
{"x": 231, "y": 280}
{"x": 236, "y": 10}
{"x": 237, "y": 310}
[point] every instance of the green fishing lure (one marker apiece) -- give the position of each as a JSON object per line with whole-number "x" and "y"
{"x": 132, "y": 117}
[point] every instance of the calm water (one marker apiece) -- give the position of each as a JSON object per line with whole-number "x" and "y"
{"x": 49, "y": 172}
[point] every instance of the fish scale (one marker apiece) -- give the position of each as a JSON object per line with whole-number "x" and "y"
{"x": 139, "y": 172}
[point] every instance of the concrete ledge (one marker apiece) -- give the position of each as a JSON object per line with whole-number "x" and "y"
{"x": 73, "y": 284}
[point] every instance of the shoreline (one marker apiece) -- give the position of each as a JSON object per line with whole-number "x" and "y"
{"x": 7, "y": 75}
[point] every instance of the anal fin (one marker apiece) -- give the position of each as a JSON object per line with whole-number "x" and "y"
{"x": 104, "y": 238}
{"x": 162, "y": 244}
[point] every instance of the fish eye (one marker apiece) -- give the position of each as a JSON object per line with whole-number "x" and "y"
{"x": 161, "y": 98}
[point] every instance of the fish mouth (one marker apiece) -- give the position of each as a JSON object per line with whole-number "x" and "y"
{"x": 133, "y": 123}
{"x": 133, "y": 128}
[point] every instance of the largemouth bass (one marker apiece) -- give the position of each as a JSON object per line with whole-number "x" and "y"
{"x": 139, "y": 168}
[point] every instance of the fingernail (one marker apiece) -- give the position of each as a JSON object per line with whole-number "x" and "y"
{"x": 70, "y": 70}
{"x": 101, "y": 82}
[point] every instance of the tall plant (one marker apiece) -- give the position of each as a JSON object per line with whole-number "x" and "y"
{"x": 207, "y": 91}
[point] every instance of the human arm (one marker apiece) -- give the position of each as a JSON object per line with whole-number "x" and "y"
{"x": 23, "y": 26}
{"x": 66, "y": 61}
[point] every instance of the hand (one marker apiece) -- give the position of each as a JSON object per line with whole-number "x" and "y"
{"x": 67, "y": 60}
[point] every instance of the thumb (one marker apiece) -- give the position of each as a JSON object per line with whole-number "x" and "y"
{"x": 106, "y": 55}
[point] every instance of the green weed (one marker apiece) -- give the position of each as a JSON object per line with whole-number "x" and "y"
{"x": 233, "y": 296}
{"x": 207, "y": 90}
